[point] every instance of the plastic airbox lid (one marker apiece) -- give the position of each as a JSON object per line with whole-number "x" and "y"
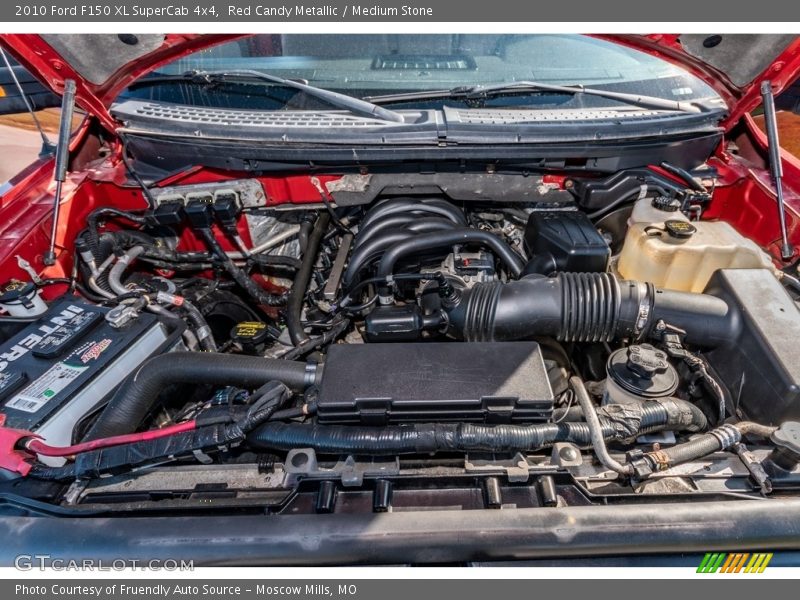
{"x": 377, "y": 384}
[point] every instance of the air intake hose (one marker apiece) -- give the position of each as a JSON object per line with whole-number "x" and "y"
{"x": 135, "y": 399}
{"x": 585, "y": 307}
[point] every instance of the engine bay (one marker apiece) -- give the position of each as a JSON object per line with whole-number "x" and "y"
{"x": 569, "y": 342}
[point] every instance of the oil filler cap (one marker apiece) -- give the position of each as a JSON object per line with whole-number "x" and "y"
{"x": 678, "y": 229}
{"x": 252, "y": 335}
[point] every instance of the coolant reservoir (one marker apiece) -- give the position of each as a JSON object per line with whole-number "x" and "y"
{"x": 674, "y": 253}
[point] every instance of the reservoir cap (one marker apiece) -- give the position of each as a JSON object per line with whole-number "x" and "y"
{"x": 679, "y": 229}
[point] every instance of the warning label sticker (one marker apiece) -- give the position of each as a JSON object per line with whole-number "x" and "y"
{"x": 46, "y": 387}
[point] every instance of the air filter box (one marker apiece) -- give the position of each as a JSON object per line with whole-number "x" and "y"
{"x": 378, "y": 384}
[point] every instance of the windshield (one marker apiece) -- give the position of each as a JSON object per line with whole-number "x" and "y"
{"x": 384, "y": 64}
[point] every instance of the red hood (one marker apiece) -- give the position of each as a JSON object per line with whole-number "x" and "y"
{"x": 734, "y": 65}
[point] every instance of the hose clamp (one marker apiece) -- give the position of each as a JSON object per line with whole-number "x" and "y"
{"x": 727, "y": 435}
{"x": 645, "y": 309}
{"x": 310, "y": 376}
{"x": 659, "y": 459}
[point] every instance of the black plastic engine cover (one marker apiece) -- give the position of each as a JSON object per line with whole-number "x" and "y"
{"x": 762, "y": 369}
{"x": 378, "y": 384}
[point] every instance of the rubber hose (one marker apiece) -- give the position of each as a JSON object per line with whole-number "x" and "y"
{"x": 294, "y": 308}
{"x": 438, "y": 239}
{"x": 699, "y": 447}
{"x": 135, "y": 399}
{"x": 302, "y": 235}
{"x": 586, "y": 307}
{"x": 715, "y": 440}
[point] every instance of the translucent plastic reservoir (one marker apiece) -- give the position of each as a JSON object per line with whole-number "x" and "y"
{"x": 685, "y": 255}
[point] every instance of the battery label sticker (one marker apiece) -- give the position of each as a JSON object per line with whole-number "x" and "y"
{"x": 59, "y": 376}
{"x": 47, "y": 387}
{"x": 66, "y": 335}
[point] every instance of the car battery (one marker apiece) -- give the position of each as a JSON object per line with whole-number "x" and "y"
{"x": 383, "y": 383}
{"x": 66, "y": 363}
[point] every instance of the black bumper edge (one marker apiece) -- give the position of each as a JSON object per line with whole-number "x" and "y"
{"x": 413, "y": 537}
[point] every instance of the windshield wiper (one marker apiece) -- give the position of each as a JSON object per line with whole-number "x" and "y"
{"x": 475, "y": 95}
{"x": 356, "y": 106}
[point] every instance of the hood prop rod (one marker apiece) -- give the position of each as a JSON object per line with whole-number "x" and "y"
{"x": 775, "y": 165}
{"x": 62, "y": 158}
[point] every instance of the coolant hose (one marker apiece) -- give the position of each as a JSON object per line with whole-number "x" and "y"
{"x": 617, "y": 422}
{"x": 294, "y": 306}
{"x": 440, "y": 239}
{"x": 715, "y": 440}
{"x": 303, "y": 233}
{"x": 135, "y": 399}
{"x": 585, "y": 307}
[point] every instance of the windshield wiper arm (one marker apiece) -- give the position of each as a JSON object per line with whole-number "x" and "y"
{"x": 356, "y": 106}
{"x": 482, "y": 92}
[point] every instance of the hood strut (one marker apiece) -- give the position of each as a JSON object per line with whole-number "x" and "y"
{"x": 62, "y": 158}
{"x": 775, "y": 165}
